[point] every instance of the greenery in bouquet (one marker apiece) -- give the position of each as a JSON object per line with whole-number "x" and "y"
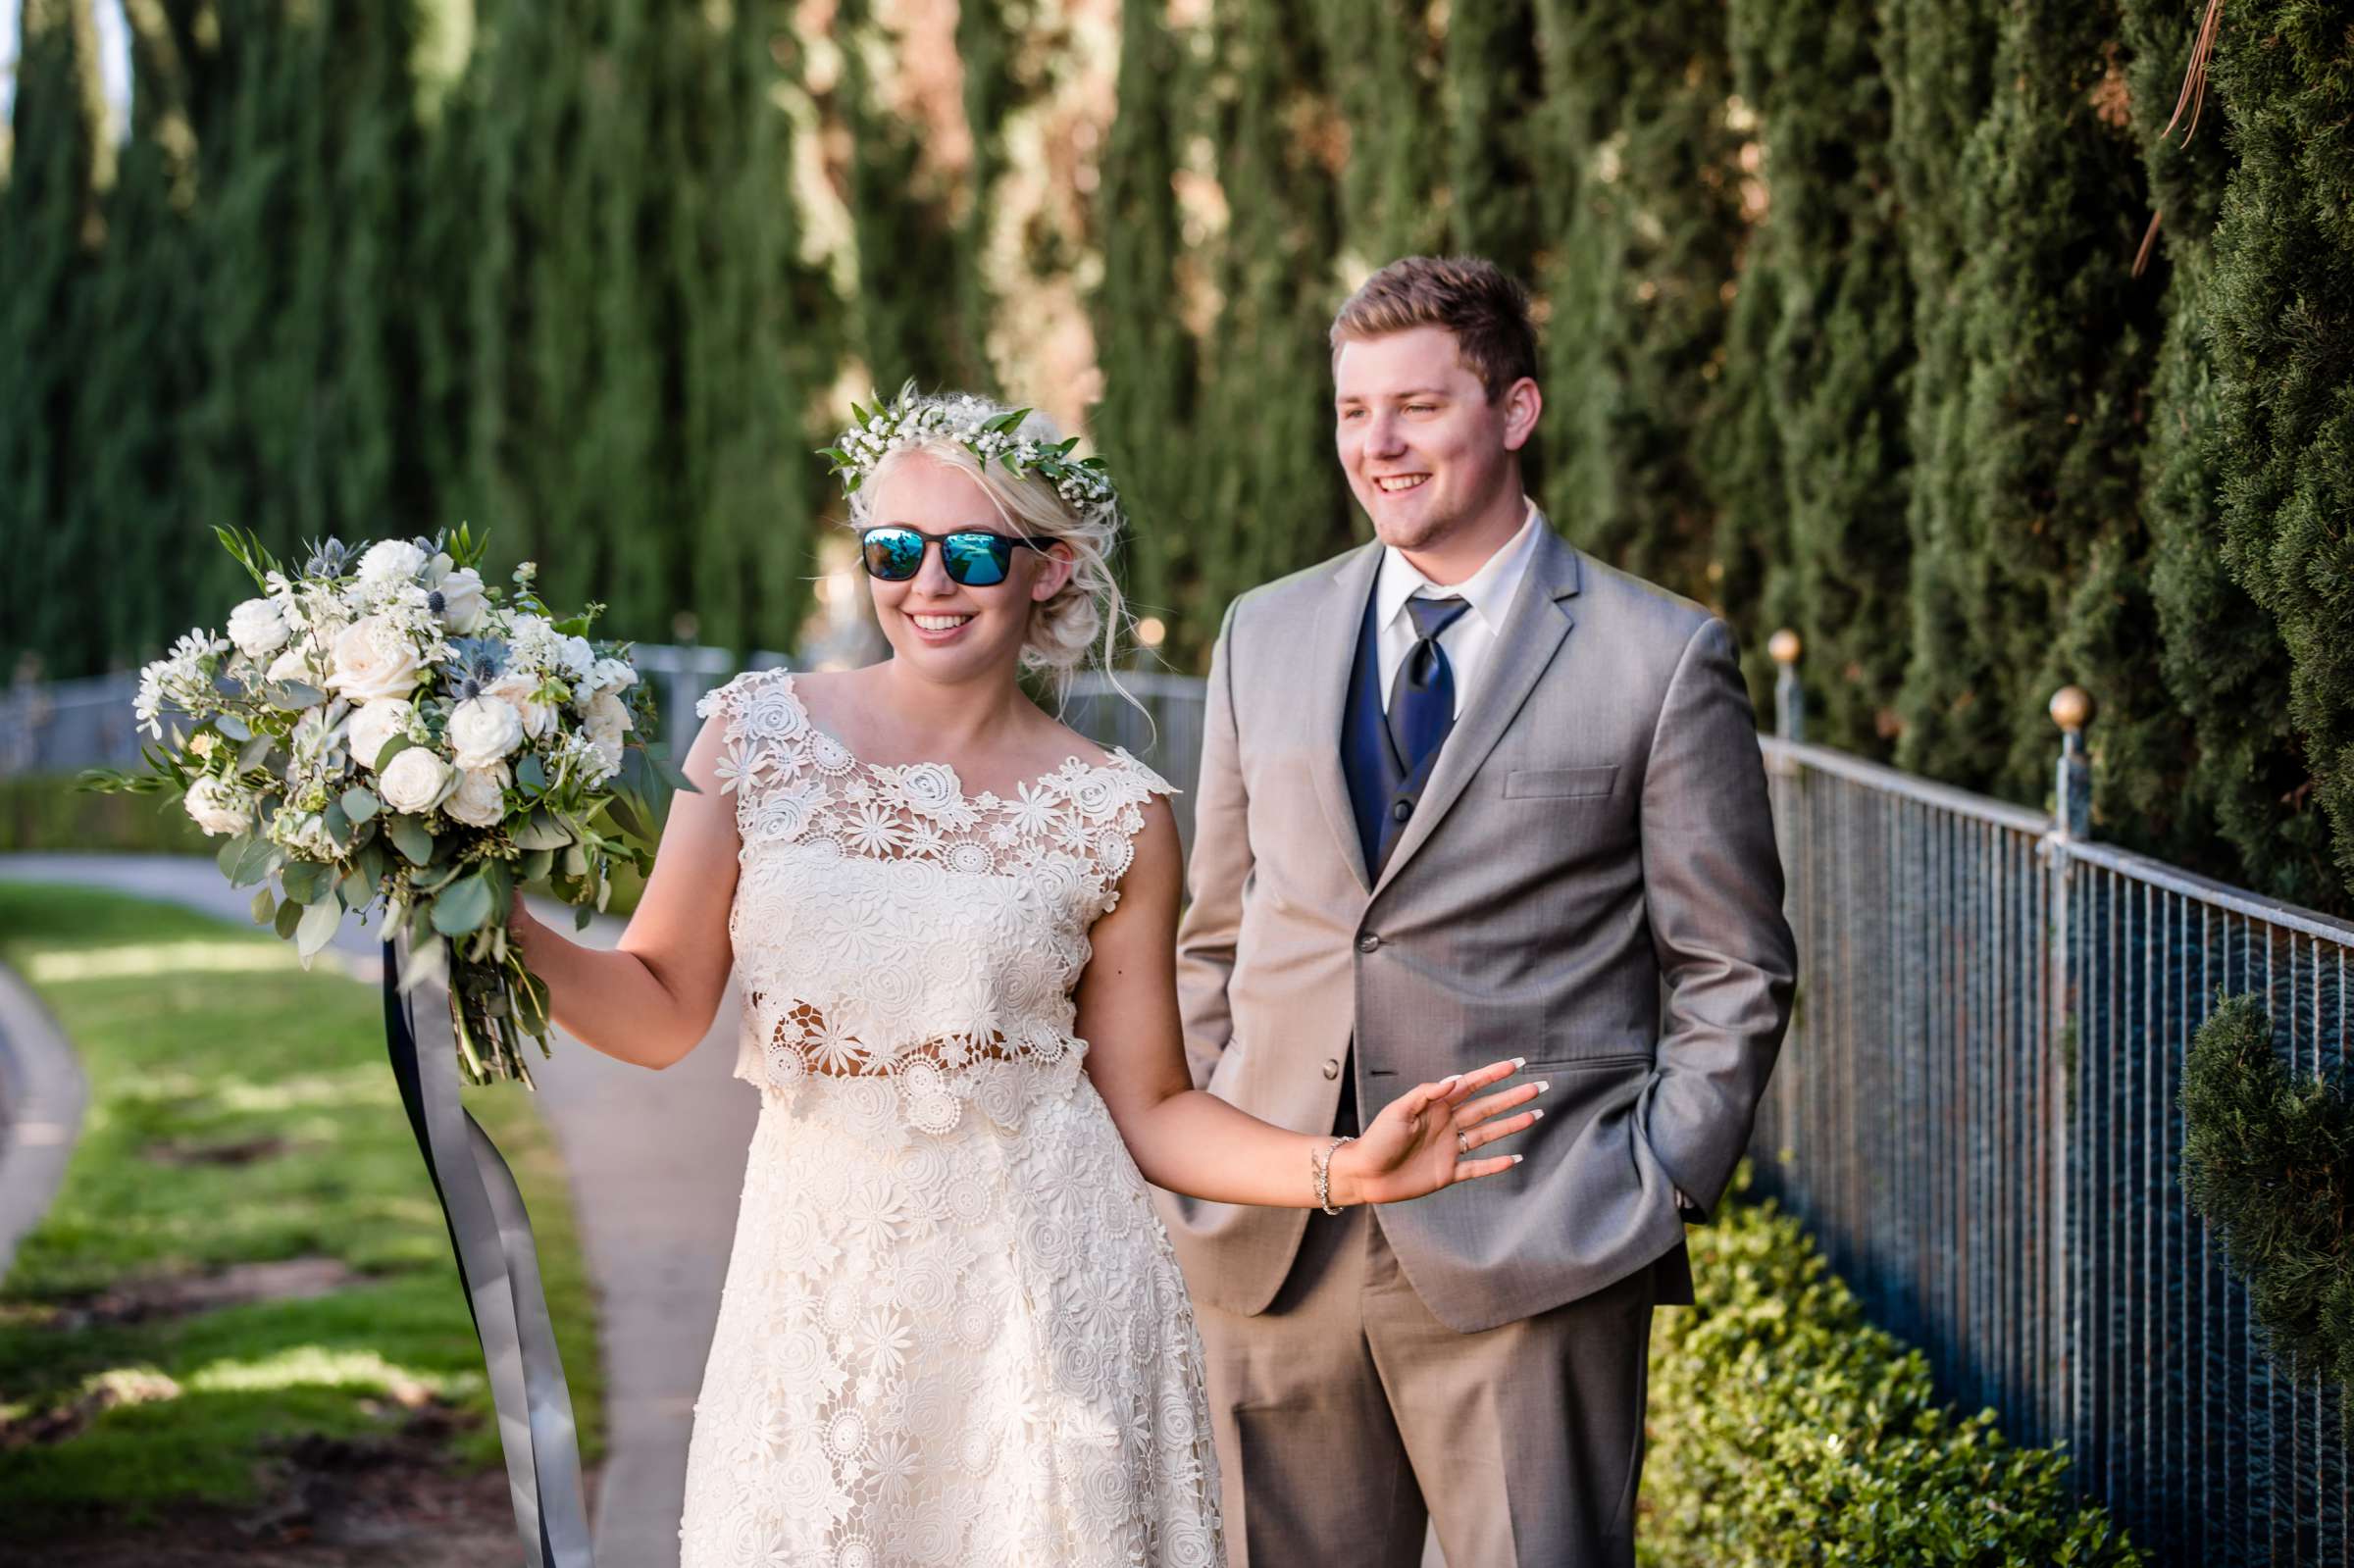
{"x": 384, "y": 730}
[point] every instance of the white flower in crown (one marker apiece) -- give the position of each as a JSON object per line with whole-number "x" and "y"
{"x": 990, "y": 433}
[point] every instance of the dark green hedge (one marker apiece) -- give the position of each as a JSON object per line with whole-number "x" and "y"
{"x": 1786, "y": 1432}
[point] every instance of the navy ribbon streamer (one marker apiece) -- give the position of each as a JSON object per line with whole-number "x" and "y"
{"x": 491, "y": 1237}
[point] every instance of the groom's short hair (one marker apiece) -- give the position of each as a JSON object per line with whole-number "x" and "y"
{"x": 1479, "y": 302}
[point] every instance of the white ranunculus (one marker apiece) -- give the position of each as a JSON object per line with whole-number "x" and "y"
{"x": 216, "y": 806}
{"x": 258, "y": 626}
{"x": 483, "y": 731}
{"x": 578, "y": 657}
{"x": 479, "y": 800}
{"x": 612, "y": 675}
{"x": 373, "y": 727}
{"x": 374, "y": 658}
{"x": 392, "y": 560}
{"x": 520, "y": 693}
{"x": 412, "y": 780}
{"x": 462, "y": 603}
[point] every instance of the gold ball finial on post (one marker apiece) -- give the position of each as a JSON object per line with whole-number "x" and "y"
{"x": 2072, "y": 708}
{"x": 1784, "y": 645}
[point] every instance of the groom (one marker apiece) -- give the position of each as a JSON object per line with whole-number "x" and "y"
{"x": 1466, "y": 792}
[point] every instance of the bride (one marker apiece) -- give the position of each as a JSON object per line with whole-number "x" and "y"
{"x": 953, "y": 1330}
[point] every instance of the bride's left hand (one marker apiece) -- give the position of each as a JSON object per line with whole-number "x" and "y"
{"x": 1412, "y": 1148}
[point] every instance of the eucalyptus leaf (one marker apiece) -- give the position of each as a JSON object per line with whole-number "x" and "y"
{"x": 626, "y": 818}
{"x": 256, "y": 862}
{"x": 230, "y": 853}
{"x": 293, "y": 696}
{"x": 338, "y": 824}
{"x": 317, "y": 926}
{"x": 265, "y": 907}
{"x": 289, "y": 915}
{"x": 256, "y": 753}
{"x": 359, "y": 804}
{"x": 461, "y": 907}
{"x": 306, "y": 881}
{"x": 542, "y": 831}
{"x": 356, "y": 889}
{"x": 531, "y": 774}
{"x": 411, "y": 839}
{"x": 229, "y": 727}
{"x": 581, "y": 917}
{"x": 535, "y": 865}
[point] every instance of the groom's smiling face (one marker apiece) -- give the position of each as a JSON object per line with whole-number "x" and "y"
{"x": 1426, "y": 452}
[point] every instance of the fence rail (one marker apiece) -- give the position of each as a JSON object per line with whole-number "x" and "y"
{"x": 1977, "y": 1112}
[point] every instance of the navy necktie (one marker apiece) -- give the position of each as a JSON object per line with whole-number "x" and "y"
{"x": 1422, "y": 697}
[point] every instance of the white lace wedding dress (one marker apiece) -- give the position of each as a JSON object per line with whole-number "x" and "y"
{"x": 953, "y": 1331}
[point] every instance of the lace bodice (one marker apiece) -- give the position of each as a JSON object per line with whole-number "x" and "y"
{"x": 892, "y": 929}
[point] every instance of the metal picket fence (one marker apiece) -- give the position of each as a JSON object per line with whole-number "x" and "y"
{"x": 1978, "y": 1114}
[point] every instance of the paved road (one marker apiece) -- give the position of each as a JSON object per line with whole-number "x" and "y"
{"x": 656, "y": 1161}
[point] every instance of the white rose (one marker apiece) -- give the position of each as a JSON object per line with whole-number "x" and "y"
{"x": 293, "y": 665}
{"x": 374, "y": 658}
{"x": 520, "y": 693}
{"x": 483, "y": 731}
{"x": 412, "y": 780}
{"x": 607, "y": 718}
{"x": 393, "y": 560}
{"x": 462, "y": 603}
{"x": 373, "y": 727}
{"x": 258, "y": 627}
{"x": 577, "y": 656}
{"x": 479, "y": 800}
{"x": 217, "y": 807}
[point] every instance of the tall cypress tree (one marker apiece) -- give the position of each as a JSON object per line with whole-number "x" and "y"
{"x": 2283, "y": 320}
{"x": 1382, "y": 68}
{"x": 1828, "y": 272}
{"x": 1150, "y": 361}
{"x": 51, "y": 232}
{"x": 1278, "y": 501}
{"x": 1492, "y": 98}
{"x": 1939, "y": 57}
{"x": 1643, "y": 248}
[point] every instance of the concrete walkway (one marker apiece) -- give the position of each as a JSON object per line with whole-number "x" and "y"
{"x": 657, "y": 1162}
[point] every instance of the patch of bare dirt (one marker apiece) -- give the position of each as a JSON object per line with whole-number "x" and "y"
{"x": 241, "y": 1151}
{"x": 394, "y": 1501}
{"x": 174, "y": 1295}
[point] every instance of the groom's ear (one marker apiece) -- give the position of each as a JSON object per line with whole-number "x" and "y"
{"x": 1523, "y": 406}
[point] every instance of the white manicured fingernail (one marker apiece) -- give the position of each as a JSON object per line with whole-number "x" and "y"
{"x": 1449, "y": 1082}
{"x": 1519, "y": 1062}
{"x": 1543, "y": 1085}
{"x": 1518, "y": 1158}
{"x": 1537, "y": 1115}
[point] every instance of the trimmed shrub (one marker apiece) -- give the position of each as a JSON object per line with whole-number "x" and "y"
{"x": 1786, "y": 1430}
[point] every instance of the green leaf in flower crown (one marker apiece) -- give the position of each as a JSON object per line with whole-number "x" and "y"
{"x": 355, "y": 889}
{"x": 306, "y": 881}
{"x": 265, "y": 907}
{"x": 529, "y": 774}
{"x": 411, "y": 839}
{"x": 289, "y": 915}
{"x": 359, "y": 804}
{"x": 230, "y": 853}
{"x": 232, "y": 728}
{"x": 338, "y": 824}
{"x": 462, "y": 906}
{"x": 255, "y": 753}
{"x": 317, "y": 926}
{"x": 293, "y": 696}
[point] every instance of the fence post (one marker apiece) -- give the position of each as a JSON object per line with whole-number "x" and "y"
{"x": 2072, "y": 819}
{"x": 1789, "y": 699}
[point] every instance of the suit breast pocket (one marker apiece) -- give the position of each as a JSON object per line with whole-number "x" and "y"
{"x": 1559, "y": 784}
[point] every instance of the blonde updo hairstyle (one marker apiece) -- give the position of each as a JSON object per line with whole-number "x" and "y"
{"x": 1087, "y": 614}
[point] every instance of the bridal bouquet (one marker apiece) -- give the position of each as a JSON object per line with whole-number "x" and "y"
{"x": 382, "y": 727}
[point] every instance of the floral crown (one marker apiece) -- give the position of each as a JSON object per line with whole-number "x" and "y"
{"x": 987, "y": 430}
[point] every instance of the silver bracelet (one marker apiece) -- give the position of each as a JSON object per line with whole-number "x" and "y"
{"x": 1321, "y": 1160}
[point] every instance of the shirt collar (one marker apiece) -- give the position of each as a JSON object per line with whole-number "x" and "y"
{"x": 1489, "y": 590}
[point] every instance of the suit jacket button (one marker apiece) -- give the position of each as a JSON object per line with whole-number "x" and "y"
{"x": 1402, "y": 810}
{"x": 1367, "y": 942}
{"x": 1332, "y": 1067}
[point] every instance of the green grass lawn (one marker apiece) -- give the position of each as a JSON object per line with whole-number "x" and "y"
{"x": 197, "y": 1034}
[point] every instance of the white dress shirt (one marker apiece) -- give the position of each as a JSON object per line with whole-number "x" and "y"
{"x": 1473, "y": 638}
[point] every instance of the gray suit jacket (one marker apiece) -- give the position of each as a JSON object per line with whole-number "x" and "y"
{"x": 1596, "y": 825}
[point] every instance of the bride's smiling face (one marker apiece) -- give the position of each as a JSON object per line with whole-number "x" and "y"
{"x": 942, "y": 629}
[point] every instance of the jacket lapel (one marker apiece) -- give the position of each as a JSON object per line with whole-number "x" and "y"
{"x": 1329, "y": 656}
{"x": 1533, "y": 631}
